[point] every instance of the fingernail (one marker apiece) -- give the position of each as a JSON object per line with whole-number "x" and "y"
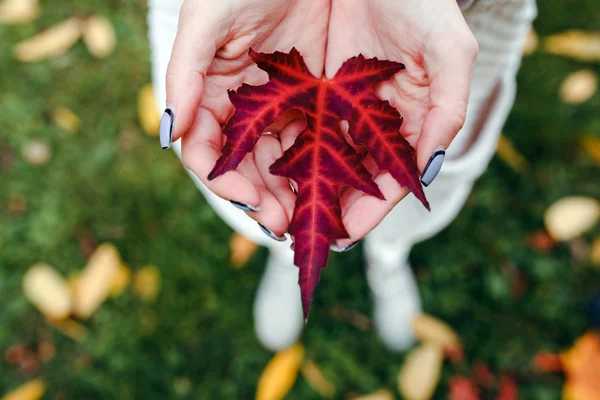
{"x": 433, "y": 166}
{"x": 292, "y": 246}
{"x": 270, "y": 234}
{"x": 244, "y": 207}
{"x": 293, "y": 188}
{"x": 166, "y": 128}
{"x": 337, "y": 249}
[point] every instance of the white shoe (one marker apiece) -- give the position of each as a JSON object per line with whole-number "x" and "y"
{"x": 395, "y": 293}
{"x": 278, "y": 317}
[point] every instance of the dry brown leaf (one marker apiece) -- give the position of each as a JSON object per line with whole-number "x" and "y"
{"x": 46, "y": 351}
{"x": 48, "y": 291}
{"x": 16, "y": 12}
{"x": 121, "y": 281}
{"x": 50, "y": 43}
{"x": 99, "y": 36}
{"x": 531, "y": 43}
{"x": 595, "y": 252}
{"x": 242, "y": 249}
{"x": 32, "y": 390}
{"x": 94, "y": 283}
{"x": 382, "y": 394}
{"x": 66, "y": 119}
{"x": 580, "y": 45}
{"x": 36, "y": 152}
{"x": 432, "y": 330}
{"x": 578, "y": 87}
{"x": 591, "y": 144}
{"x": 70, "y": 328}
{"x": 147, "y": 112}
{"x": 146, "y": 283}
{"x": 17, "y": 203}
{"x": 510, "y": 155}
{"x": 317, "y": 381}
{"x": 571, "y": 217}
{"x": 420, "y": 373}
{"x": 280, "y": 374}
{"x": 581, "y": 365}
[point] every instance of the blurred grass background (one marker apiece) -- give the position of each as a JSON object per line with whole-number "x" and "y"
{"x": 109, "y": 182}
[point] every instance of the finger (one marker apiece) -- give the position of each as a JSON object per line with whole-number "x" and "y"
{"x": 201, "y": 148}
{"x": 271, "y": 214}
{"x": 365, "y": 212}
{"x": 267, "y": 150}
{"x": 193, "y": 52}
{"x": 450, "y": 67}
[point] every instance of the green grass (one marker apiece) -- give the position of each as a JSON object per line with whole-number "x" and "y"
{"x": 110, "y": 182}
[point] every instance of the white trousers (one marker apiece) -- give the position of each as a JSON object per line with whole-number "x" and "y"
{"x": 500, "y": 27}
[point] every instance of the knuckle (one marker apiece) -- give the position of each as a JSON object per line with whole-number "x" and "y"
{"x": 470, "y": 45}
{"x": 458, "y": 118}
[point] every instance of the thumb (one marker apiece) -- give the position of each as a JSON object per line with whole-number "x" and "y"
{"x": 198, "y": 37}
{"x": 450, "y": 67}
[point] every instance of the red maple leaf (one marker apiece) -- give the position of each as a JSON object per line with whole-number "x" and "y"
{"x": 320, "y": 161}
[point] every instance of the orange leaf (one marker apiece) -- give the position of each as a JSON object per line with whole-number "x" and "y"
{"x": 315, "y": 378}
{"x": 591, "y": 144}
{"x": 462, "y": 388}
{"x": 280, "y": 374}
{"x": 547, "y": 362}
{"x": 582, "y": 369}
{"x": 420, "y": 373}
{"x": 242, "y": 249}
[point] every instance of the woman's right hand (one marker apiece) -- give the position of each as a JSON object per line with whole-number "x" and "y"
{"x": 210, "y": 56}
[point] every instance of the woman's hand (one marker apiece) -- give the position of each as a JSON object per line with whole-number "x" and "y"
{"x": 210, "y": 56}
{"x": 434, "y": 42}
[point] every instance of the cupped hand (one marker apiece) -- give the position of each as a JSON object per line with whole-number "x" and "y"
{"x": 438, "y": 49}
{"x": 210, "y": 56}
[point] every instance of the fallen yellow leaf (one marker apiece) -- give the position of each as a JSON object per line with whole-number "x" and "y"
{"x": 32, "y": 390}
{"x": 48, "y": 291}
{"x": 531, "y": 43}
{"x": 571, "y": 217}
{"x": 242, "y": 249}
{"x": 420, "y": 373}
{"x": 591, "y": 144}
{"x": 122, "y": 279}
{"x": 147, "y": 112}
{"x": 146, "y": 283}
{"x": 581, "y": 365}
{"x": 382, "y": 394}
{"x": 15, "y": 12}
{"x": 99, "y": 36}
{"x": 70, "y": 328}
{"x": 578, "y": 87}
{"x": 50, "y": 43}
{"x": 316, "y": 380}
{"x": 510, "y": 155}
{"x": 94, "y": 283}
{"x": 66, "y": 119}
{"x": 580, "y": 45}
{"x": 432, "y": 330}
{"x": 595, "y": 252}
{"x": 280, "y": 374}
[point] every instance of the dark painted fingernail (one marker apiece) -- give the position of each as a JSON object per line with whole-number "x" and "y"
{"x": 244, "y": 207}
{"x": 433, "y": 166}
{"x": 166, "y": 129}
{"x": 292, "y": 246}
{"x": 335, "y": 247}
{"x": 272, "y": 235}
